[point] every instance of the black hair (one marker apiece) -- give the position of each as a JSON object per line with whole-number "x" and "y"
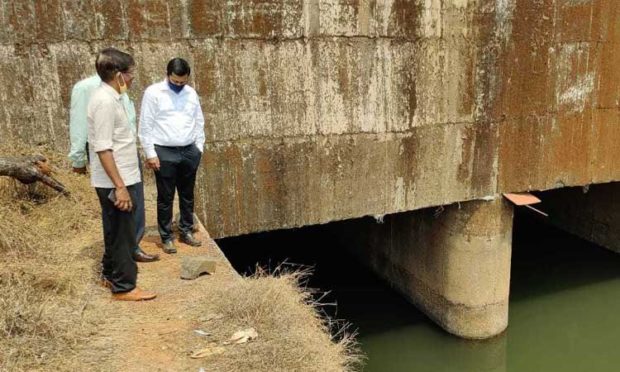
{"x": 111, "y": 61}
{"x": 178, "y": 66}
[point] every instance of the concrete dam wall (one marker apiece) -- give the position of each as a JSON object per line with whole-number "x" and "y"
{"x": 323, "y": 110}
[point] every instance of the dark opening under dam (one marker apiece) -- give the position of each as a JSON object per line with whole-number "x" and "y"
{"x": 564, "y": 302}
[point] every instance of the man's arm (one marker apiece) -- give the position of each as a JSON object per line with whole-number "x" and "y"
{"x": 147, "y": 121}
{"x": 199, "y": 133}
{"x": 78, "y": 129}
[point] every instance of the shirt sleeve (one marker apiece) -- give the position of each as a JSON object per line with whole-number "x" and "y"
{"x": 199, "y": 128}
{"x": 147, "y": 121}
{"x": 102, "y": 127}
{"x": 78, "y": 127}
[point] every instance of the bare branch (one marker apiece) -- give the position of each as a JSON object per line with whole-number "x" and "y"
{"x": 30, "y": 169}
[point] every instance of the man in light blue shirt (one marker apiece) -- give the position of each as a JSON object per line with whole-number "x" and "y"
{"x": 78, "y": 130}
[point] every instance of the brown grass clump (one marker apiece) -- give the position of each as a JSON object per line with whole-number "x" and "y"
{"x": 35, "y": 323}
{"x": 293, "y": 336}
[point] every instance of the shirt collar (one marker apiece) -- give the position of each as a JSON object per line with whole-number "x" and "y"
{"x": 108, "y": 88}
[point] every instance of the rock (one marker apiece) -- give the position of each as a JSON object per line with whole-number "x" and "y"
{"x": 193, "y": 266}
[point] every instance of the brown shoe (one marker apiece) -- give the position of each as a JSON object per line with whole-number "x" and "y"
{"x": 134, "y": 295}
{"x": 142, "y": 256}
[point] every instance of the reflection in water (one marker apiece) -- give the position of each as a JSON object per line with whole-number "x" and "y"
{"x": 564, "y": 303}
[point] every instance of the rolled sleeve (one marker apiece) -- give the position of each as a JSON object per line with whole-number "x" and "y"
{"x": 101, "y": 131}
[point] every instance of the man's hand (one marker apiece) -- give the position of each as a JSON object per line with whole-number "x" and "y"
{"x": 79, "y": 170}
{"x": 152, "y": 163}
{"x": 123, "y": 200}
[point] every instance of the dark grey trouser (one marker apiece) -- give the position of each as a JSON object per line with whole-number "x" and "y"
{"x": 177, "y": 171}
{"x": 119, "y": 236}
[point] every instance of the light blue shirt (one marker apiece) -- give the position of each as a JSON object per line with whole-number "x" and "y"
{"x": 78, "y": 124}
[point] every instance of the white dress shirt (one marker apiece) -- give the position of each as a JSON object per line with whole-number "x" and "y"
{"x": 170, "y": 119}
{"x": 109, "y": 129}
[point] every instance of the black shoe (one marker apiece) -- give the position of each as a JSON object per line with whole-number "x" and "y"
{"x": 169, "y": 247}
{"x": 190, "y": 240}
{"x": 141, "y": 256}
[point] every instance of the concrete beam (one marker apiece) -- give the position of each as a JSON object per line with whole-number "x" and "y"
{"x": 270, "y": 184}
{"x": 592, "y": 214}
{"x": 453, "y": 263}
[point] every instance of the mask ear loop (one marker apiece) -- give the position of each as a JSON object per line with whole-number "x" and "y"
{"x": 124, "y": 85}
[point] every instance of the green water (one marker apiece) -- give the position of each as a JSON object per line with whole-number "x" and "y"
{"x": 564, "y": 316}
{"x": 564, "y": 305}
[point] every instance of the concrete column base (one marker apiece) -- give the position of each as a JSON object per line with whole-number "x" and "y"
{"x": 453, "y": 263}
{"x": 592, "y": 214}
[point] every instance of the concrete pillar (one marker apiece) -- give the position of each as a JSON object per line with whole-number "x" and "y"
{"x": 591, "y": 213}
{"x": 453, "y": 262}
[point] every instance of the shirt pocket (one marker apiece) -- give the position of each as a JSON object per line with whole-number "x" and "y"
{"x": 165, "y": 104}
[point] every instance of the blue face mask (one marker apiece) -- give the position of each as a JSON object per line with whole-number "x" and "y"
{"x": 175, "y": 88}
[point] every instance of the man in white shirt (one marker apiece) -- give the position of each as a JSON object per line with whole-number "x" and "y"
{"x": 172, "y": 136}
{"x": 115, "y": 173}
{"x": 78, "y": 128}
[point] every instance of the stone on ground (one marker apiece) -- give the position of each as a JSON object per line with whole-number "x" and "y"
{"x": 192, "y": 267}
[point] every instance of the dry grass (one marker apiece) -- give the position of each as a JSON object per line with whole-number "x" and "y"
{"x": 293, "y": 336}
{"x": 42, "y": 277}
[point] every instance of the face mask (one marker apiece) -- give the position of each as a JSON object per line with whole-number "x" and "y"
{"x": 122, "y": 87}
{"x": 175, "y": 88}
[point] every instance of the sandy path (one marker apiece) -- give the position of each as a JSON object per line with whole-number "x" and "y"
{"x": 155, "y": 335}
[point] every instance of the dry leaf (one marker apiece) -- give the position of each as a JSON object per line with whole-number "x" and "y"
{"x": 241, "y": 337}
{"x": 200, "y": 332}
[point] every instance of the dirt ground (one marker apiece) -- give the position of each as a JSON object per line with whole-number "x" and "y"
{"x": 155, "y": 335}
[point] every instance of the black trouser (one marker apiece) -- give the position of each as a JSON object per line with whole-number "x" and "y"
{"x": 139, "y": 206}
{"x": 119, "y": 236}
{"x": 177, "y": 171}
